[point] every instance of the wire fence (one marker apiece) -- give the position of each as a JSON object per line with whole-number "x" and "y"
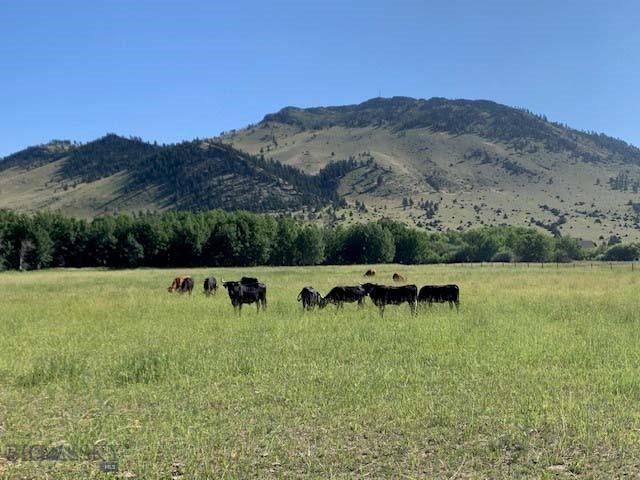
{"x": 588, "y": 265}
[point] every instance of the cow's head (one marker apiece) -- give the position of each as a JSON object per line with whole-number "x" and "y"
{"x": 322, "y": 302}
{"x": 231, "y": 286}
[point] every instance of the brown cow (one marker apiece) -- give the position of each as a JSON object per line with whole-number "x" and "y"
{"x": 399, "y": 278}
{"x": 370, "y": 273}
{"x": 176, "y": 285}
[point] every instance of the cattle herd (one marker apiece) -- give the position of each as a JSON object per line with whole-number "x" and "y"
{"x": 249, "y": 290}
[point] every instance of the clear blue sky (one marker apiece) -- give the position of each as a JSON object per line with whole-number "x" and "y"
{"x": 170, "y": 71}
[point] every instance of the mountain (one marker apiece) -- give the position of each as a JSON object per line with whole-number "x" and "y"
{"x": 452, "y": 164}
{"x": 436, "y": 164}
{"x": 126, "y": 174}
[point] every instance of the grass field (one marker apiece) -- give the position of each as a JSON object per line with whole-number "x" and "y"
{"x": 537, "y": 376}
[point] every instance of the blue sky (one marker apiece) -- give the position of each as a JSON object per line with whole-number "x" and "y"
{"x": 170, "y": 71}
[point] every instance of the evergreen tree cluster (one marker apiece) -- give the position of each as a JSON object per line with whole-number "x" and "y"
{"x": 624, "y": 183}
{"x": 241, "y": 238}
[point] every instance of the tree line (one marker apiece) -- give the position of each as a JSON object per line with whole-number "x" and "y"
{"x": 240, "y": 238}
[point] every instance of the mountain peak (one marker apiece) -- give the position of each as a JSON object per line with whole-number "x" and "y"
{"x": 485, "y": 118}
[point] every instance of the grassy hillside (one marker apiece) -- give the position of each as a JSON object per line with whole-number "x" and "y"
{"x": 540, "y": 381}
{"x": 480, "y": 162}
{"x": 119, "y": 174}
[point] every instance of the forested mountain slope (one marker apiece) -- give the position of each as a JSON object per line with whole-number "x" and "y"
{"x": 450, "y": 164}
{"x": 436, "y": 164}
{"x": 115, "y": 173}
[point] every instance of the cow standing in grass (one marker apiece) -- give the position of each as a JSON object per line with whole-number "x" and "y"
{"x": 176, "y": 285}
{"x": 310, "y": 298}
{"x": 187, "y": 285}
{"x": 210, "y": 286}
{"x": 399, "y": 278}
{"x": 382, "y": 295}
{"x": 370, "y": 273}
{"x": 341, "y": 295}
{"x": 241, "y": 293}
{"x": 431, "y": 294}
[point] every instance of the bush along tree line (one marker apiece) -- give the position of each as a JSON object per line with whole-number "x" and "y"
{"x": 221, "y": 238}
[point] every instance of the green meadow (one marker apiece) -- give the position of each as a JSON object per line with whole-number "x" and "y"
{"x": 537, "y": 376}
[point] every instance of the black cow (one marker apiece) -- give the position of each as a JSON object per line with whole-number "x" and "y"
{"x": 210, "y": 286}
{"x": 381, "y": 296}
{"x": 310, "y": 298}
{"x": 440, "y": 294}
{"x": 186, "y": 286}
{"x": 340, "y": 295}
{"x": 248, "y": 280}
{"x": 249, "y": 293}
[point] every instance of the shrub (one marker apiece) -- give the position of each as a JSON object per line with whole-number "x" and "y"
{"x": 622, "y": 253}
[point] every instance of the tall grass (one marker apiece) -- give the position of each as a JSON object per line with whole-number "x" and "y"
{"x": 537, "y": 376}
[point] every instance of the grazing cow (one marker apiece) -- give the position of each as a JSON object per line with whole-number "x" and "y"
{"x": 310, "y": 298}
{"x": 370, "y": 273}
{"x": 210, "y": 286}
{"x": 187, "y": 285}
{"x": 382, "y": 295}
{"x": 440, "y": 294}
{"x": 399, "y": 278}
{"x": 177, "y": 283}
{"x": 248, "y": 280}
{"x": 246, "y": 293}
{"x": 340, "y": 295}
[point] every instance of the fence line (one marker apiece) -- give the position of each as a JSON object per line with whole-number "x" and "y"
{"x": 542, "y": 265}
